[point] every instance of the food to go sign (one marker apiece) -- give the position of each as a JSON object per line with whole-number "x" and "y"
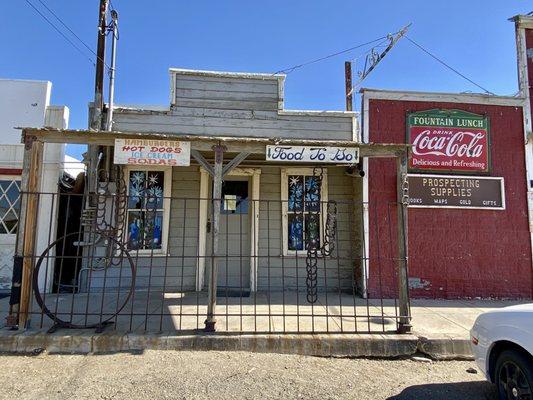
{"x": 448, "y": 140}
{"x": 316, "y": 154}
{"x": 152, "y": 152}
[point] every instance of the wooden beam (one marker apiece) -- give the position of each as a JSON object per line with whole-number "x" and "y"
{"x": 404, "y": 325}
{"x": 202, "y": 229}
{"x": 205, "y": 143}
{"x": 30, "y": 187}
{"x": 203, "y": 162}
{"x": 235, "y": 162}
{"x": 217, "y": 199}
{"x": 254, "y": 224}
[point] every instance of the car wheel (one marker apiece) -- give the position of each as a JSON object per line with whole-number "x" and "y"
{"x": 514, "y": 376}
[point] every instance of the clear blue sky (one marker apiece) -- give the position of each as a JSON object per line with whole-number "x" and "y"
{"x": 473, "y": 36}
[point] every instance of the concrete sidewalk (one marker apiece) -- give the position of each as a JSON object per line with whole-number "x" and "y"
{"x": 440, "y": 330}
{"x": 451, "y": 317}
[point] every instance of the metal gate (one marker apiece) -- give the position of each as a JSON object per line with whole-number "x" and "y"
{"x": 149, "y": 260}
{"x": 116, "y": 274}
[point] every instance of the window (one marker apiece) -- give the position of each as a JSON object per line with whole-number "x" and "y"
{"x": 302, "y": 202}
{"x": 9, "y": 204}
{"x": 148, "y": 208}
{"x": 235, "y": 197}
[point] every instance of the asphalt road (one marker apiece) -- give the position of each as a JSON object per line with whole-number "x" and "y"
{"x": 234, "y": 375}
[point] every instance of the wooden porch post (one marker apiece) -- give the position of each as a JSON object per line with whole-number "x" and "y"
{"x": 217, "y": 194}
{"x": 27, "y": 230}
{"x": 403, "y": 276}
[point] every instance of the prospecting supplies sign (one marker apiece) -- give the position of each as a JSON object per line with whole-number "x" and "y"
{"x": 152, "y": 152}
{"x": 314, "y": 154}
{"x": 452, "y": 191}
{"x": 448, "y": 141}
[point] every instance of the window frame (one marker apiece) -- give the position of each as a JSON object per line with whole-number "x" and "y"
{"x": 12, "y": 177}
{"x": 303, "y": 171}
{"x": 167, "y": 191}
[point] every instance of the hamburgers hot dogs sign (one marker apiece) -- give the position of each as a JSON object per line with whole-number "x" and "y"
{"x": 448, "y": 141}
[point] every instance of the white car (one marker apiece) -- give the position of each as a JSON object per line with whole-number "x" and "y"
{"x": 502, "y": 343}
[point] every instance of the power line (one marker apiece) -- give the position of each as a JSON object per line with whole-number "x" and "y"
{"x": 61, "y": 33}
{"x": 447, "y": 66}
{"x": 71, "y": 31}
{"x": 291, "y": 69}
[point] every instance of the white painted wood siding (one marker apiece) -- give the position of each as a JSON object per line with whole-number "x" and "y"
{"x": 275, "y": 272}
{"x": 241, "y": 105}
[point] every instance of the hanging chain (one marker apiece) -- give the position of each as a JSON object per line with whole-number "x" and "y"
{"x": 405, "y": 190}
{"x": 331, "y": 229}
{"x": 113, "y": 225}
{"x": 328, "y": 244}
{"x": 311, "y": 261}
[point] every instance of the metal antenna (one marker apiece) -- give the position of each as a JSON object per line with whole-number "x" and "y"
{"x": 373, "y": 59}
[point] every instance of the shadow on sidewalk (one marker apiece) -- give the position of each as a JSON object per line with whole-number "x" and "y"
{"x": 449, "y": 391}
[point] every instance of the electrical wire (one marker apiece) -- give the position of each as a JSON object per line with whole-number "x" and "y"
{"x": 72, "y": 32}
{"x": 291, "y": 69}
{"x": 447, "y": 66}
{"x": 61, "y": 33}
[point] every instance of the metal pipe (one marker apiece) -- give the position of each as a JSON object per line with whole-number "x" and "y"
{"x": 109, "y": 122}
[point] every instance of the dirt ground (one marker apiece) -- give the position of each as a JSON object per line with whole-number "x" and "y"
{"x": 234, "y": 375}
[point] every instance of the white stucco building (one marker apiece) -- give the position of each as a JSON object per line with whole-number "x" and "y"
{"x": 25, "y": 103}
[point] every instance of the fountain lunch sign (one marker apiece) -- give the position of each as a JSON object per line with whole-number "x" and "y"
{"x": 448, "y": 141}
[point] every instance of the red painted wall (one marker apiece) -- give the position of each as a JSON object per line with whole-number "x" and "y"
{"x": 455, "y": 253}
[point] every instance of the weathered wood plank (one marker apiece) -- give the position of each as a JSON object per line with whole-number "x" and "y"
{"x": 31, "y": 183}
{"x": 227, "y": 104}
{"x": 208, "y": 93}
{"x": 227, "y": 80}
{"x": 340, "y": 126}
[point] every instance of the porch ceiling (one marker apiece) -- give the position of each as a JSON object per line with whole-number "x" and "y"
{"x": 205, "y": 143}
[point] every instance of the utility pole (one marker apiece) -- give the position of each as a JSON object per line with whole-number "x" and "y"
{"x": 348, "y": 82}
{"x": 95, "y": 119}
{"x": 374, "y": 58}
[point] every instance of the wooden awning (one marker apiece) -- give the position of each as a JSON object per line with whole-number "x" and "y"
{"x": 205, "y": 143}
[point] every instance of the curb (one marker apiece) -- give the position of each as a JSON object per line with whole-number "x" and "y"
{"x": 442, "y": 347}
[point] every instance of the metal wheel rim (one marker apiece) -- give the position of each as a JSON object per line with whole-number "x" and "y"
{"x": 67, "y": 324}
{"x": 513, "y": 383}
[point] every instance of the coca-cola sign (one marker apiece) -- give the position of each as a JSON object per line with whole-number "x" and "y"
{"x": 448, "y": 141}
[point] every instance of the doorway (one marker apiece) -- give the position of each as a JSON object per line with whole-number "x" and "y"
{"x": 234, "y": 238}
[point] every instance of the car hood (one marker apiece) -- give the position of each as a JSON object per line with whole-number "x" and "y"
{"x": 526, "y": 308}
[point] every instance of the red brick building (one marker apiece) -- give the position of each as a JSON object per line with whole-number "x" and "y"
{"x": 458, "y": 252}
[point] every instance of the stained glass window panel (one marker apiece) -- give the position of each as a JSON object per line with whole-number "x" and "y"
{"x": 295, "y": 232}
{"x": 145, "y": 209}
{"x": 137, "y": 189}
{"x": 153, "y": 230}
{"x": 155, "y": 188}
{"x": 312, "y": 230}
{"x": 312, "y": 193}
{"x": 295, "y": 192}
{"x": 135, "y": 230}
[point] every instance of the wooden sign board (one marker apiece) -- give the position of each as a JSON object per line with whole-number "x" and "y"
{"x": 152, "y": 152}
{"x": 313, "y": 154}
{"x": 453, "y": 191}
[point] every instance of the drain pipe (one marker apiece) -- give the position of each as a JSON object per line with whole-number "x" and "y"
{"x": 114, "y": 29}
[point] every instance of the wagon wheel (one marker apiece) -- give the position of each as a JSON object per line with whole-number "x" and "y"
{"x": 54, "y": 315}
